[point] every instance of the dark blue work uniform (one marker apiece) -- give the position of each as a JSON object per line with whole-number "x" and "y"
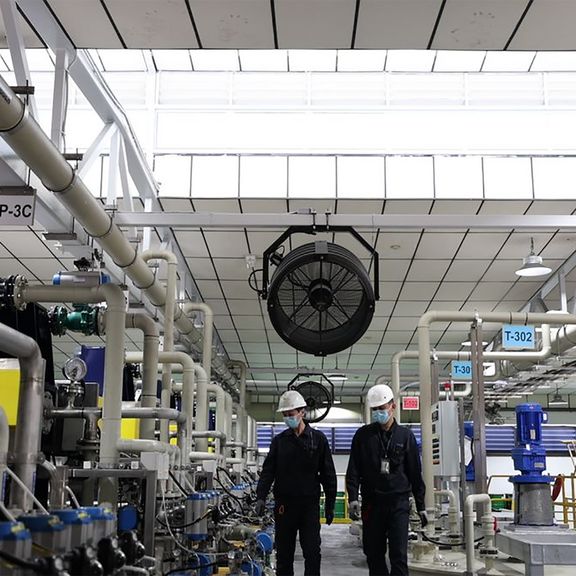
{"x": 385, "y": 492}
{"x": 297, "y": 465}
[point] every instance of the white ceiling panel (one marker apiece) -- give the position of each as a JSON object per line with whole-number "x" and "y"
{"x": 359, "y": 206}
{"x": 426, "y": 270}
{"x": 209, "y": 289}
{"x": 74, "y": 14}
{"x": 466, "y": 270}
{"x": 395, "y": 206}
{"x": 383, "y": 307}
{"x": 439, "y": 245}
{"x": 243, "y": 307}
{"x": 481, "y": 245}
{"x": 392, "y": 24}
{"x": 477, "y": 24}
{"x": 509, "y": 306}
{"x": 491, "y": 291}
{"x": 561, "y": 246}
{"x": 516, "y": 207}
{"x": 24, "y": 244}
{"x": 456, "y": 206}
{"x": 419, "y": 290}
{"x": 223, "y": 322}
{"x": 226, "y": 244}
{"x": 228, "y": 336}
{"x": 391, "y": 245}
{"x": 518, "y": 245}
{"x": 191, "y": 243}
{"x": 231, "y": 268}
{"x": 237, "y": 289}
{"x": 233, "y": 23}
{"x": 445, "y": 305}
{"x": 522, "y": 290}
{"x": 201, "y": 268}
{"x": 390, "y": 290}
{"x": 502, "y": 270}
{"x": 249, "y": 335}
{"x": 454, "y": 290}
{"x": 548, "y": 25}
{"x": 302, "y": 23}
{"x": 175, "y": 204}
{"x": 393, "y": 270}
{"x": 264, "y": 205}
{"x": 149, "y": 24}
{"x": 43, "y": 268}
{"x": 395, "y": 339}
{"x": 410, "y": 308}
{"x": 216, "y": 205}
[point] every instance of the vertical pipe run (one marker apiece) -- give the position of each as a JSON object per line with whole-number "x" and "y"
{"x": 479, "y": 415}
{"x": 30, "y": 408}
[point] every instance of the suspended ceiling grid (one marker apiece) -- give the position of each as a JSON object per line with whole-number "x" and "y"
{"x": 266, "y": 24}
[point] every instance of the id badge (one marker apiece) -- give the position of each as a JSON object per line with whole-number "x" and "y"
{"x": 384, "y": 466}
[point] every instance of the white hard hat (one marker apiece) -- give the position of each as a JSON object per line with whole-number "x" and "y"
{"x": 379, "y": 395}
{"x": 291, "y": 400}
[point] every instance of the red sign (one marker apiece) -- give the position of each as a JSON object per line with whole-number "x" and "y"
{"x": 410, "y": 402}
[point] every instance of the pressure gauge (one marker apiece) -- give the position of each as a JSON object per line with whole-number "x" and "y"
{"x": 75, "y": 369}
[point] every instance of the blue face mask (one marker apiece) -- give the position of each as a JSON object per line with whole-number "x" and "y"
{"x": 380, "y": 416}
{"x": 292, "y": 421}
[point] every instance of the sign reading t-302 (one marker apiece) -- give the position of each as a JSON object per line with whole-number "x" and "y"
{"x": 518, "y": 337}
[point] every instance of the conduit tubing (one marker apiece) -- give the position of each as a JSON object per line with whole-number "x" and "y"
{"x": 24, "y": 135}
{"x": 30, "y": 405}
{"x": 424, "y": 347}
{"x": 168, "y": 309}
{"x": 149, "y": 399}
{"x": 113, "y": 364}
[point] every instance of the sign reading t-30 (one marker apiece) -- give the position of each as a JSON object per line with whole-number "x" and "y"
{"x": 461, "y": 370}
{"x": 518, "y": 337}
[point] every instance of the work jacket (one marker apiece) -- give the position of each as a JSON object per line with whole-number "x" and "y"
{"x": 370, "y": 446}
{"x": 298, "y": 465}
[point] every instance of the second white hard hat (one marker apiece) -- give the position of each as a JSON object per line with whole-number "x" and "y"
{"x": 291, "y": 400}
{"x": 379, "y": 395}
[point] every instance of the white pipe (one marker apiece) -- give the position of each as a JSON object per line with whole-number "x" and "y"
{"x": 218, "y": 391}
{"x": 4, "y": 437}
{"x": 187, "y": 385}
{"x": 203, "y": 379}
{"x": 113, "y": 363}
{"x": 140, "y": 445}
{"x": 243, "y": 437}
{"x": 149, "y": 367}
{"x": 544, "y": 352}
{"x": 452, "y": 510}
{"x": 469, "y": 525}
{"x": 204, "y": 456}
{"x": 30, "y": 405}
{"x": 424, "y": 348}
{"x": 35, "y": 148}
{"x": 168, "y": 309}
{"x": 229, "y": 404}
{"x": 462, "y": 393}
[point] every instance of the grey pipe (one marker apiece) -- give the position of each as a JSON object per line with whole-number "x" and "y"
{"x": 426, "y": 380}
{"x": 134, "y": 412}
{"x": 244, "y": 415}
{"x": 30, "y": 405}
{"x": 218, "y": 391}
{"x": 113, "y": 363}
{"x": 201, "y": 404}
{"x": 149, "y": 399}
{"x": 4, "y": 439}
{"x": 169, "y": 310}
{"x": 57, "y": 485}
{"x": 24, "y": 135}
{"x": 211, "y": 434}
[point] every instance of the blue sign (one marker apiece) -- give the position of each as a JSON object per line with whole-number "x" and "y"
{"x": 461, "y": 370}
{"x": 518, "y": 337}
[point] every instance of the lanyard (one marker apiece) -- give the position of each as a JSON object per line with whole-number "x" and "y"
{"x": 386, "y": 448}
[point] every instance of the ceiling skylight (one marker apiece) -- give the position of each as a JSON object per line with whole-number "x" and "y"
{"x": 264, "y": 60}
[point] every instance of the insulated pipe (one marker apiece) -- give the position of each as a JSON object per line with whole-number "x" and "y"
{"x": 452, "y": 510}
{"x": 30, "y": 406}
{"x": 201, "y": 404}
{"x": 218, "y": 391}
{"x": 443, "y": 393}
{"x": 24, "y": 135}
{"x": 169, "y": 308}
{"x": 187, "y": 384}
{"x": 211, "y": 434}
{"x": 139, "y": 445}
{"x": 203, "y": 379}
{"x": 149, "y": 367}
{"x": 244, "y": 413}
{"x": 469, "y": 526}
{"x": 113, "y": 364}
{"x": 4, "y": 438}
{"x": 204, "y": 456}
{"x": 134, "y": 412}
{"x": 424, "y": 347}
{"x": 229, "y": 403}
{"x": 544, "y": 352}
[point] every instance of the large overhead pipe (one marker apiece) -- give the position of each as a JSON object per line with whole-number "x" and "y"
{"x": 149, "y": 397}
{"x": 424, "y": 346}
{"x": 30, "y": 406}
{"x": 169, "y": 308}
{"x": 32, "y": 145}
{"x": 544, "y": 352}
{"x": 113, "y": 364}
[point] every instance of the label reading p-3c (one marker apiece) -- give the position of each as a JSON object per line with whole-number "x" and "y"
{"x": 17, "y": 208}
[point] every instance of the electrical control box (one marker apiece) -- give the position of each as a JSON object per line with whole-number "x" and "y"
{"x": 445, "y": 439}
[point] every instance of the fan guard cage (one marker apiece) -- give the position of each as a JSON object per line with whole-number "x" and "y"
{"x": 320, "y": 298}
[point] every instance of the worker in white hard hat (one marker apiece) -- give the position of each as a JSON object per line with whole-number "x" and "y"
{"x": 385, "y": 467}
{"x": 299, "y": 461}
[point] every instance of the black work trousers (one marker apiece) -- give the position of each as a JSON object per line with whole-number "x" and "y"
{"x": 302, "y": 516}
{"x": 385, "y": 528}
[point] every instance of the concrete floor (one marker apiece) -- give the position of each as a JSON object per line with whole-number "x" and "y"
{"x": 342, "y": 556}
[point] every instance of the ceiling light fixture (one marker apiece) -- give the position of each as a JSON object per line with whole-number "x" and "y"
{"x": 557, "y": 399}
{"x": 532, "y": 264}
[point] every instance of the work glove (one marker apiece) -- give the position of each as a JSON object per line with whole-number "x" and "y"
{"x": 329, "y": 515}
{"x": 260, "y": 507}
{"x": 423, "y": 518}
{"x": 354, "y": 510}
